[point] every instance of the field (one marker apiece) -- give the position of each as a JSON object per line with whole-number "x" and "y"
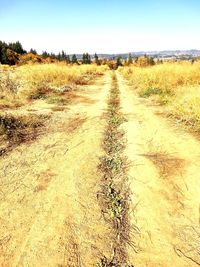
{"x": 99, "y": 167}
{"x": 176, "y": 85}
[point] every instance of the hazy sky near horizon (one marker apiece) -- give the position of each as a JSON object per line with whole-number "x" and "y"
{"x": 102, "y": 26}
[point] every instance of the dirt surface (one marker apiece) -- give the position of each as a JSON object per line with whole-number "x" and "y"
{"x": 164, "y": 180}
{"x": 49, "y": 213}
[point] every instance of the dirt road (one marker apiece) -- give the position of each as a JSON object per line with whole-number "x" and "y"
{"x": 165, "y": 183}
{"x": 49, "y": 213}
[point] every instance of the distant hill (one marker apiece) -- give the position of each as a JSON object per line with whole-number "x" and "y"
{"x": 160, "y": 54}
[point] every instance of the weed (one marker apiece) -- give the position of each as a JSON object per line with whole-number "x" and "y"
{"x": 150, "y": 91}
{"x": 113, "y": 141}
{"x": 58, "y": 108}
{"x": 115, "y": 121}
{"x": 39, "y": 93}
{"x": 59, "y": 100}
{"x": 113, "y": 166}
{"x": 8, "y": 82}
{"x": 115, "y": 203}
{"x": 17, "y": 129}
{"x": 104, "y": 262}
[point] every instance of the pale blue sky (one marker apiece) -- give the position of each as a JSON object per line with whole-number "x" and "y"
{"x": 109, "y": 26}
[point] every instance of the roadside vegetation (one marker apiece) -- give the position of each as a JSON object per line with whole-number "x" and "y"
{"x": 175, "y": 85}
{"x": 114, "y": 195}
{"x": 30, "y": 82}
{"x": 15, "y": 130}
{"x": 21, "y": 86}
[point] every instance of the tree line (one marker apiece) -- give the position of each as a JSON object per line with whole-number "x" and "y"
{"x": 5, "y": 51}
{"x": 10, "y": 54}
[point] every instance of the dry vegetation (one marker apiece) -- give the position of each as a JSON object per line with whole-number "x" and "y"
{"x": 19, "y": 84}
{"x": 176, "y": 85}
{"x": 110, "y": 217}
{"x": 114, "y": 190}
{"x": 17, "y": 129}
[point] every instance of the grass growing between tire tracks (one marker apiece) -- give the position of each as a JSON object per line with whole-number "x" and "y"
{"x": 114, "y": 195}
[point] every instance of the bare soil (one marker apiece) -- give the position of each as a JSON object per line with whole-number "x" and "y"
{"x": 165, "y": 186}
{"x": 49, "y": 212}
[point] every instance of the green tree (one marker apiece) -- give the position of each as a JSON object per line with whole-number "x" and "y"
{"x": 68, "y": 60}
{"x": 63, "y": 55}
{"x": 1, "y": 47}
{"x": 10, "y": 52}
{"x": 59, "y": 57}
{"x": 33, "y": 51}
{"x": 86, "y": 59}
{"x": 96, "y": 58}
{"x": 130, "y": 59}
{"x": 74, "y": 59}
{"x": 17, "y": 47}
{"x": 52, "y": 55}
{"x": 119, "y": 62}
{"x": 151, "y": 61}
{"x": 4, "y": 57}
{"x": 45, "y": 54}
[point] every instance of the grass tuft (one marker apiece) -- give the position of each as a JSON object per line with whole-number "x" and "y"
{"x": 15, "y": 130}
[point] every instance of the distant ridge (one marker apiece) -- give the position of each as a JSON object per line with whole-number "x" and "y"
{"x": 192, "y": 53}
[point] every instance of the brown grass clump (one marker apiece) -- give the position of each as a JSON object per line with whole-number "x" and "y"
{"x": 15, "y": 130}
{"x": 74, "y": 124}
{"x": 58, "y": 108}
{"x": 166, "y": 164}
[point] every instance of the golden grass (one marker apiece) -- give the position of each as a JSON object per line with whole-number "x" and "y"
{"x": 36, "y": 81}
{"x": 185, "y": 106}
{"x": 166, "y": 77}
{"x": 176, "y": 85}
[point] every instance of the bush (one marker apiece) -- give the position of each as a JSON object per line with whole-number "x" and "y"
{"x": 150, "y": 91}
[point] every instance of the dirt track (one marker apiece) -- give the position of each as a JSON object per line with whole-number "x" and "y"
{"x": 50, "y": 215}
{"x": 164, "y": 180}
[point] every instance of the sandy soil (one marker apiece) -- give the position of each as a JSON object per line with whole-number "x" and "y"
{"x": 49, "y": 214}
{"x": 165, "y": 183}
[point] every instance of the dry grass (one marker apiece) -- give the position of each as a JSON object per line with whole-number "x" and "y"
{"x": 17, "y": 84}
{"x": 15, "y": 130}
{"x": 74, "y": 123}
{"x": 164, "y": 78}
{"x": 167, "y": 165}
{"x": 114, "y": 194}
{"x": 184, "y": 106}
{"x": 176, "y": 85}
{"x": 113, "y": 263}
